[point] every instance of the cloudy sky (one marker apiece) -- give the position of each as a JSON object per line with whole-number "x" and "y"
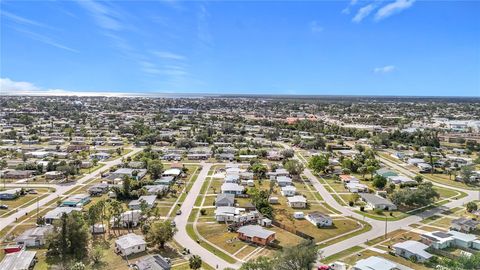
{"x": 399, "y": 47}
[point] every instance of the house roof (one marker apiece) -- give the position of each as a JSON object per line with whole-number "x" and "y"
{"x": 174, "y": 172}
{"x": 465, "y": 222}
{"x": 297, "y": 198}
{"x": 130, "y": 240}
{"x": 225, "y": 198}
{"x": 18, "y": 261}
{"x": 232, "y": 186}
{"x": 255, "y": 231}
{"x": 153, "y": 262}
{"x": 375, "y": 199}
{"x": 414, "y": 247}
{"x": 378, "y": 263}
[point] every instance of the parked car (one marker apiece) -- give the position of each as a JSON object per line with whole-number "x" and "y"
{"x": 179, "y": 212}
{"x": 3, "y": 206}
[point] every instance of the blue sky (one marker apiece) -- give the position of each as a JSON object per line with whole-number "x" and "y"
{"x": 399, "y": 47}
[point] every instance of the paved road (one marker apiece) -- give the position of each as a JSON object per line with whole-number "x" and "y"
{"x": 182, "y": 220}
{"x": 378, "y": 227}
{"x": 61, "y": 189}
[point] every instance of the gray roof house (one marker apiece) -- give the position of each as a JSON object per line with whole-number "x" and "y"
{"x": 148, "y": 199}
{"x": 464, "y": 224}
{"x": 232, "y": 188}
{"x": 34, "y": 237}
{"x": 153, "y": 262}
{"x": 412, "y": 249}
{"x": 377, "y": 202}
{"x": 319, "y": 219}
{"x": 224, "y": 199}
{"x": 130, "y": 244}
{"x": 21, "y": 260}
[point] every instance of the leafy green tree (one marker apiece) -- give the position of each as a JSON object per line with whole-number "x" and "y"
{"x": 155, "y": 168}
{"x": 318, "y": 163}
{"x": 472, "y": 206}
{"x": 379, "y": 181}
{"x": 161, "y": 232}
{"x": 259, "y": 170}
{"x": 299, "y": 257}
{"x": 466, "y": 173}
{"x": 195, "y": 262}
{"x": 294, "y": 167}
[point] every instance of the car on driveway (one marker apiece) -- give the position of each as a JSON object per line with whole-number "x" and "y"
{"x": 3, "y": 206}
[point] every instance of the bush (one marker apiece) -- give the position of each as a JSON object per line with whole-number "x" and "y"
{"x": 350, "y": 203}
{"x": 362, "y": 208}
{"x": 203, "y": 212}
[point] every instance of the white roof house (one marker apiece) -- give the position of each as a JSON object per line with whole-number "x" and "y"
{"x": 232, "y": 188}
{"x": 172, "y": 172}
{"x": 129, "y": 244}
{"x": 56, "y": 213}
{"x": 378, "y": 263}
{"x": 21, "y": 260}
{"x": 297, "y": 201}
{"x": 148, "y": 199}
{"x": 288, "y": 191}
{"x": 412, "y": 249}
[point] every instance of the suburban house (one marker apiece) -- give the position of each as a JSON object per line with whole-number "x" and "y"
{"x": 100, "y": 156}
{"x": 21, "y": 260}
{"x": 319, "y": 219}
{"x": 34, "y": 237}
{"x": 377, "y": 202}
{"x": 149, "y": 200}
{"x": 130, "y": 244}
{"x": 465, "y": 225}
{"x": 10, "y": 194}
{"x": 98, "y": 189}
{"x": 232, "y": 178}
{"x": 297, "y": 201}
{"x": 77, "y": 200}
{"x": 165, "y": 180}
{"x": 277, "y": 173}
{"x": 356, "y": 187}
{"x": 122, "y": 172}
{"x": 401, "y": 179}
{"x": 232, "y": 188}
{"x": 378, "y": 263}
{"x": 441, "y": 240}
{"x": 288, "y": 191}
{"x": 156, "y": 189}
{"x": 284, "y": 181}
{"x": 348, "y": 178}
{"x": 18, "y": 174}
{"x": 54, "y": 175}
{"x": 256, "y": 234}
{"x": 57, "y": 213}
{"x": 153, "y": 262}
{"x": 127, "y": 219}
{"x": 386, "y": 172}
{"x": 172, "y": 172}
{"x": 224, "y": 199}
{"x": 412, "y": 249}
{"x": 234, "y": 214}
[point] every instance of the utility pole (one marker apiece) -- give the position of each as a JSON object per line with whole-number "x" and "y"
{"x": 386, "y": 220}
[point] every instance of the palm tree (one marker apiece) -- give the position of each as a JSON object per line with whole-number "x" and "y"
{"x": 195, "y": 262}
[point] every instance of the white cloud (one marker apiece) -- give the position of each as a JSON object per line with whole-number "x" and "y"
{"x": 104, "y": 16}
{"x": 351, "y": 4}
{"x": 384, "y": 70}
{"x": 315, "y": 27}
{"x": 21, "y": 20}
{"x": 46, "y": 40}
{"x": 393, "y": 8}
{"x": 169, "y": 55}
{"x": 363, "y": 13}
{"x": 13, "y": 88}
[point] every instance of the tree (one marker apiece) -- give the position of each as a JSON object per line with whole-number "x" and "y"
{"x": 362, "y": 170}
{"x": 155, "y": 168}
{"x": 466, "y": 173}
{"x": 97, "y": 255}
{"x": 472, "y": 206}
{"x": 260, "y": 200}
{"x": 423, "y": 195}
{"x": 288, "y": 153}
{"x": 260, "y": 263}
{"x": 161, "y": 232}
{"x": 429, "y": 151}
{"x": 318, "y": 163}
{"x": 195, "y": 262}
{"x": 69, "y": 239}
{"x": 127, "y": 181}
{"x": 259, "y": 170}
{"x": 418, "y": 178}
{"x": 294, "y": 167}
{"x": 299, "y": 257}
{"x": 94, "y": 215}
{"x": 379, "y": 181}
